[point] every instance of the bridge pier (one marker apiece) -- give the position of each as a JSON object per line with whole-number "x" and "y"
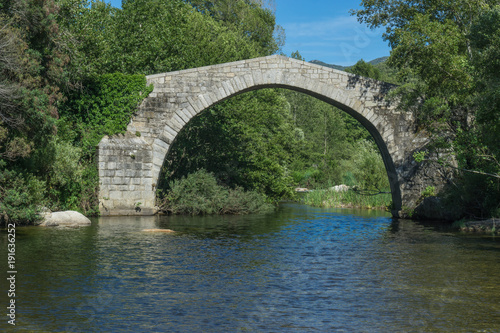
{"x": 126, "y": 185}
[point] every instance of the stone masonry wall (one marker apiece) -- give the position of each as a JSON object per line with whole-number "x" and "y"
{"x": 125, "y": 176}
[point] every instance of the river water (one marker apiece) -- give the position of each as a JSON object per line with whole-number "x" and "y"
{"x": 300, "y": 269}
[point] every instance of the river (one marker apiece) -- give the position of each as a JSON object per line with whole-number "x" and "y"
{"x": 300, "y": 269}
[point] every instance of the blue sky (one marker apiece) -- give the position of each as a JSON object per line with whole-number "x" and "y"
{"x": 324, "y": 30}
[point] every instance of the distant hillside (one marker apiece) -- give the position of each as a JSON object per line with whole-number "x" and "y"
{"x": 378, "y": 61}
{"x": 373, "y": 62}
{"x": 321, "y": 63}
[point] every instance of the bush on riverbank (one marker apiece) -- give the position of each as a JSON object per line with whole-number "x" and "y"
{"x": 199, "y": 194}
{"x": 346, "y": 199}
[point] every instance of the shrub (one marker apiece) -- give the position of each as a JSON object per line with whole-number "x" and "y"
{"x": 199, "y": 194}
{"x": 349, "y": 199}
{"x": 20, "y": 196}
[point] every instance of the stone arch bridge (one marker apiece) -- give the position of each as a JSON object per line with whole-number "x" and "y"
{"x": 130, "y": 164}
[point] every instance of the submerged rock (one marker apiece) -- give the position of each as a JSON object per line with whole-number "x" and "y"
{"x": 491, "y": 226}
{"x": 158, "y": 230}
{"x": 67, "y": 218}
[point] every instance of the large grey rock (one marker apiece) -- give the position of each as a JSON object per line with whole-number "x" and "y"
{"x": 67, "y": 218}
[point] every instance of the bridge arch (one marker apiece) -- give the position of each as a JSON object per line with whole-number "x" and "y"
{"x": 130, "y": 165}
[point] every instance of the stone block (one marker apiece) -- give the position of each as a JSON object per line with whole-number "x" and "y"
{"x": 107, "y": 173}
{"x": 115, "y": 195}
{"x": 184, "y": 116}
{"x": 203, "y": 102}
{"x": 147, "y": 182}
{"x": 105, "y": 181}
{"x": 131, "y": 173}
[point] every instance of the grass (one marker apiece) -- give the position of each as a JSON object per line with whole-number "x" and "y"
{"x": 347, "y": 199}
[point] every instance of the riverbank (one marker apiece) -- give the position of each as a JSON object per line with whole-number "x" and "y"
{"x": 346, "y": 199}
{"x": 490, "y": 226}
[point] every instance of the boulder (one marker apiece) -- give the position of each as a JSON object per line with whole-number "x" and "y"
{"x": 67, "y": 218}
{"x": 158, "y": 230}
{"x": 339, "y": 188}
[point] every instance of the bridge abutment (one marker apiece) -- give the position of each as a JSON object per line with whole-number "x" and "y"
{"x": 126, "y": 179}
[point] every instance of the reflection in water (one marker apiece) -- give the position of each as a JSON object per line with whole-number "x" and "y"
{"x": 300, "y": 269}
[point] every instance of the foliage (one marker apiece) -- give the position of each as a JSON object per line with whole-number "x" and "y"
{"x": 248, "y": 17}
{"x": 151, "y": 37}
{"x": 32, "y": 62}
{"x": 477, "y": 187}
{"x": 20, "y": 195}
{"x": 431, "y": 53}
{"x": 366, "y": 167}
{"x": 246, "y": 141}
{"x": 320, "y": 133}
{"x": 103, "y": 107}
{"x": 365, "y": 69}
{"x": 333, "y": 147}
{"x": 447, "y": 56}
{"x": 199, "y": 194}
{"x": 307, "y": 178}
{"x": 346, "y": 199}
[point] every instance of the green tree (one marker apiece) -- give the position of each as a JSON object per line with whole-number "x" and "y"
{"x": 159, "y": 36}
{"x": 33, "y": 61}
{"x": 250, "y": 18}
{"x": 90, "y": 36}
{"x": 432, "y": 52}
{"x": 443, "y": 51}
{"x": 245, "y": 141}
{"x": 365, "y": 69}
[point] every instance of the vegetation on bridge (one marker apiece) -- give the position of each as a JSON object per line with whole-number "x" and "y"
{"x": 73, "y": 71}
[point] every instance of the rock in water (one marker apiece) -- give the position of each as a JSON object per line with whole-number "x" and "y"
{"x": 158, "y": 230}
{"x": 67, "y": 218}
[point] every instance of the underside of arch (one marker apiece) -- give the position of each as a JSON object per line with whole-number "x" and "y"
{"x": 202, "y": 102}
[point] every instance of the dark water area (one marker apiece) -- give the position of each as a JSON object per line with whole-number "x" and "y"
{"x": 300, "y": 269}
